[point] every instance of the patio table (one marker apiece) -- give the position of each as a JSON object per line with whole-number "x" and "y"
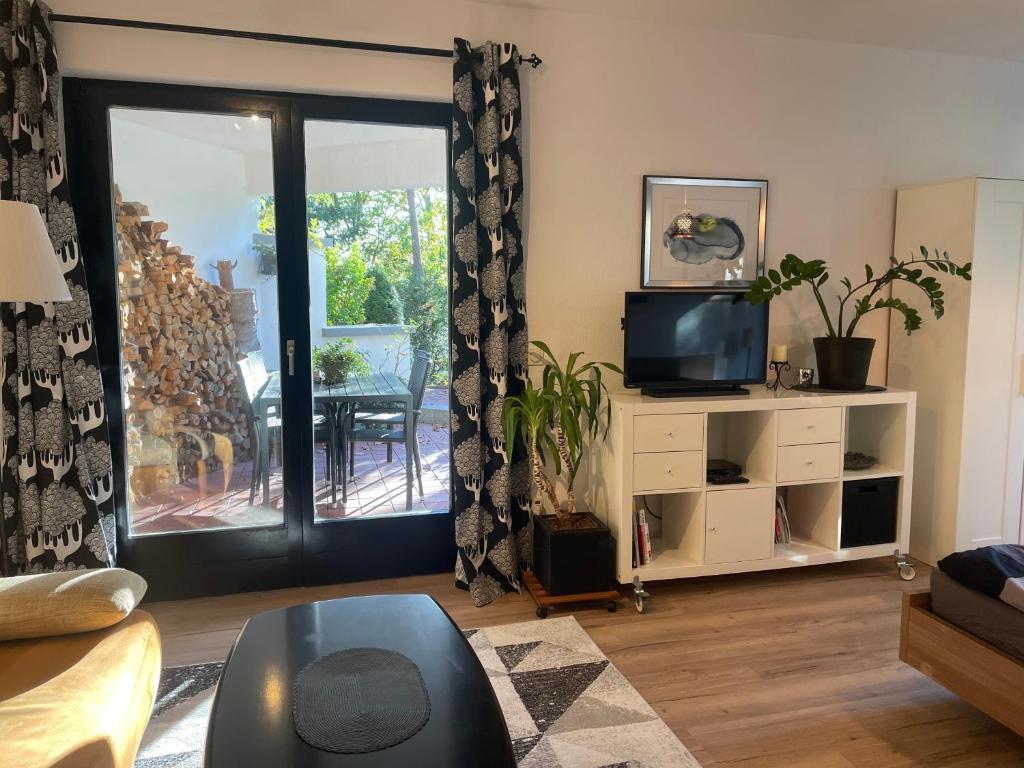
{"x": 375, "y": 388}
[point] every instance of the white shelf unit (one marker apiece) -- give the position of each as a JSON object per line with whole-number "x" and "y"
{"x": 788, "y": 443}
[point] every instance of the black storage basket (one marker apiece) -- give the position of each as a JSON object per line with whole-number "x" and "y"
{"x": 869, "y": 512}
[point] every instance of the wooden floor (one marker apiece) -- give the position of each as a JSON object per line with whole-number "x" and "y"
{"x": 790, "y": 669}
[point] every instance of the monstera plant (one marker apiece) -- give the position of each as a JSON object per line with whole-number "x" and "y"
{"x": 843, "y": 359}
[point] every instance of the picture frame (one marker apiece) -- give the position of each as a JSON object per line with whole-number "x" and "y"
{"x": 702, "y": 232}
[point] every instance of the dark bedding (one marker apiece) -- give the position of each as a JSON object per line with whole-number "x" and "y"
{"x": 983, "y": 616}
{"x": 996, "y": 571}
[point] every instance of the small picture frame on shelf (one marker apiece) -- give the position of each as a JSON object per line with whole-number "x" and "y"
{"x": 703, "y": 233}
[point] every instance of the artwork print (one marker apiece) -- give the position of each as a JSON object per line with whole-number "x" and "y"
{"x": 703, "y": 232}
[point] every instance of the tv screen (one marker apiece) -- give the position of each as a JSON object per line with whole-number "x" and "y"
{"x": 700, "y": 339}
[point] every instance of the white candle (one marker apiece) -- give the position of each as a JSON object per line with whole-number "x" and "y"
{"x": 780, "y": 353}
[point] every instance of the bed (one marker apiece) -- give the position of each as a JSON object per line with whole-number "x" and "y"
{"x": 970, "y": 643}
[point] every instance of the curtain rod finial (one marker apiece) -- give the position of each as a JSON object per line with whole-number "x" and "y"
{"x": 533, "y": 60}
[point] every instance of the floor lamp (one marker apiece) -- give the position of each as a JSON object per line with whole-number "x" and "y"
{"x": 29, "y": 272}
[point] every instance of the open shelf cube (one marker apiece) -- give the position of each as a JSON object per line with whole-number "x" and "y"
{"x": 880, "y": 431}
{"x": 815, "y": 511}
{"x": 677, "y": 538}
{"x": 746, "y": 438}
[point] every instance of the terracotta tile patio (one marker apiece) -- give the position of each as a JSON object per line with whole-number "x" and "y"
{"x": 377, "y": 488}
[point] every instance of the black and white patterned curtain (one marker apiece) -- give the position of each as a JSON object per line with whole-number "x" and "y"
{"x": 57, "y": 480}
{"x": 491, "y": 488}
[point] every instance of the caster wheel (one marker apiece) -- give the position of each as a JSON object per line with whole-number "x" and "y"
{"x": 907, "y": 572}
{"x": 542, "y": 612}
{"x": 613, "y": 607}
{"x": 641, "y": 602}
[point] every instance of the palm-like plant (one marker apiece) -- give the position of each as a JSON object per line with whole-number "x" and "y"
{"x": 527, "y": 416}
{"x": 558, "y": 419}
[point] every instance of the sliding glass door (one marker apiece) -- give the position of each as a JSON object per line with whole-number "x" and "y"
{"x": 269, "y": 275}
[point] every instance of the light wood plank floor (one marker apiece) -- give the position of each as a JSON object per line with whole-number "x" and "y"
{"x": 791, "y": 669}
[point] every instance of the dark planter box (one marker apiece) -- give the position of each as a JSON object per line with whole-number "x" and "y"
{"x": 573, "y": 561}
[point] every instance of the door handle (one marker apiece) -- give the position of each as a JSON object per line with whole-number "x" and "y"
{"x": 290, "y": 350}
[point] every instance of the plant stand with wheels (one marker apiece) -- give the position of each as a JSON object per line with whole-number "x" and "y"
{"x": 545, "y": 601}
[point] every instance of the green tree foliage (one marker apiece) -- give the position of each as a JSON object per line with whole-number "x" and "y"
{"x": 383, "y": 304}
{"x": 369, "y": 231}
{"x": 348, "y": 285}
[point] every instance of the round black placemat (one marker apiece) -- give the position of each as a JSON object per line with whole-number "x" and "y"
{"x": 822, "y": 390}
{"x": 359, "y": 700}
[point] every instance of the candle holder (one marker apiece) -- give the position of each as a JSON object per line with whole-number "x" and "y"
{"x": 777, "y": 367}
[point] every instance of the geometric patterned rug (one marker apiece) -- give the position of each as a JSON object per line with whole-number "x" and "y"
{"x": 565, "y": 704}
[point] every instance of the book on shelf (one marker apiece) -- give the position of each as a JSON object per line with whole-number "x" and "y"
{"x": 642, "y": 554}
{"x": 783, "y": 535}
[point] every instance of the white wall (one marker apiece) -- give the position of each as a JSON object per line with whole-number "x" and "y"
{"x": 834, "y": 127}
{"x": 201, "y": 191}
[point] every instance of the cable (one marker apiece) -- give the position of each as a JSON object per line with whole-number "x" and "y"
{"x": 649, "y": 512}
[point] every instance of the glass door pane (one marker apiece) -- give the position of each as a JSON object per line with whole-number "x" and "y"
{"x": 197, "y": 290}
{"x": 377, "y": 216}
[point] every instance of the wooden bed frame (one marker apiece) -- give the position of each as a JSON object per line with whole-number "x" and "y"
{"x": 974, "y": 670}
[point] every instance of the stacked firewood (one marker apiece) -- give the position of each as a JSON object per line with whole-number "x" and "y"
{"x": 178, "y": 344}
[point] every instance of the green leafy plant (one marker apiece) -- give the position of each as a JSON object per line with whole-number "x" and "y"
{"x": 267, "y": 255}
{"x": 559, "y": 419}
{"x": 526, "y": 416}
{"x": 338, "y": 360}
{"x": 348, "y": 285}
{"x": 864, "y": 297}
{"x": 383, "y": 305}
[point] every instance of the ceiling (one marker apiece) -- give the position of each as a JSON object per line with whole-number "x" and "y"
{"x": 987, "y": 28}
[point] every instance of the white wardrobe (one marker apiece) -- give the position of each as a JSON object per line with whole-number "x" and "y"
{"x": 967, "y": 367}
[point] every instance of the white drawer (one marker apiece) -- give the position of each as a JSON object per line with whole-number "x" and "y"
{"x": 668, "y": 471}
{"x": 810, "y": 425}
{"x": 808, "y": 462}
{"x": 673, "y": 432}
{"x": 740, "y": 525}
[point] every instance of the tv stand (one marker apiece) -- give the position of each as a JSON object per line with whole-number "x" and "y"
{"x": 657, "y": 453}
{"x": 725, "y": 391}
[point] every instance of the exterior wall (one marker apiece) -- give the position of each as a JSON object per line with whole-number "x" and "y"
{"x": 386, "y": 347}
{"x": 200, "y": 190}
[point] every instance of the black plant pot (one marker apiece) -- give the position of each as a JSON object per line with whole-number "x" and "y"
{"x": 843, "y": 362}
{"x": 573, "y": 561}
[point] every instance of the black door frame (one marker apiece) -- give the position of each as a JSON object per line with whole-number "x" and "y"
{"x": 299, "y": 551}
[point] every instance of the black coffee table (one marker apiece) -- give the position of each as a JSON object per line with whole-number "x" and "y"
{"x": 251, "y": 718}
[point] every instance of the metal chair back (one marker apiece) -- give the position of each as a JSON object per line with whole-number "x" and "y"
{"x": 254, "y": 374}
{"x": 418, "y": 377}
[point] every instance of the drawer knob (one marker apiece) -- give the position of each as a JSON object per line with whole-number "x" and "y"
{"x": 810, "y": 426}
{"x": 669, "y": 434}
{"x": 668, "y": 470}
{"x": 809, "y": 463}
{"x": 712, "y": 530}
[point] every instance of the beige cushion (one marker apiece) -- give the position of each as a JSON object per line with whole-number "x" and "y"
{"x": 78, "y": 701}
{"x": 49, "y": 604}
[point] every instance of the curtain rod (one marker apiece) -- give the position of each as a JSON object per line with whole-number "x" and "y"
{"x": 412, "y": 50}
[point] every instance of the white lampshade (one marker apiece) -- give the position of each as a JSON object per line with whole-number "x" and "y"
{"x": 29, "y": 269}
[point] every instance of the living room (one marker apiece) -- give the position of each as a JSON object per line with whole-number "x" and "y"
{"x": 292, "y": 408}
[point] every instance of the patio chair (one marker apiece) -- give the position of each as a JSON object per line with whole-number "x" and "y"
{"x": 252, "y": 373}
{"x": 388, "y": 426}
{"x": 254, "y": 377}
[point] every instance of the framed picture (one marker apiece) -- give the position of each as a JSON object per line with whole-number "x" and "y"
{"x": 703, "y": 233}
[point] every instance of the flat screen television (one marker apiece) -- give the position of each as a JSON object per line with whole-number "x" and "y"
{"x": 694, "y": 343}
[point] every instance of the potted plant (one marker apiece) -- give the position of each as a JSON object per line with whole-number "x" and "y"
{"x": 573, "y": 552}
{"x": 337, "y": 360}
{"x": 843, "y": 359}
